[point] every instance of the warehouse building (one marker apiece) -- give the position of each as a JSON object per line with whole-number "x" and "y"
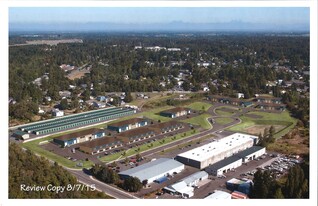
{"x": 76, "y": 120}
{"x": 136, "y": 135}
{"x": 218, "y": 194}
{"x": 202, "y": 157}
{"x": 79, "y": 137}
{"x": 185, "y": 187}
{"x": 128, "y": 124}
{"x": 166, "y": 127}
{"x": 235, "y": 161}
{"x": 175, "y": 112}
{"x": 195, "y": 178}
{"x": 224, "y": 166}
{"x": 21, "y": 135}
{"x": 100, "y": 145}
{"x": 180, "y": 188}
{"x": 154, "y": 170}
{"x": 251, "y": 153}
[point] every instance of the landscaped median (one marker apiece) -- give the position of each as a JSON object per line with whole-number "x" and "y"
{"x": 223, "y": 120}
{"x": 226, "y": 110}
{"x": 283, "y": 121}
{"x": 199, "y": 106}
{"x": 148, "y": 146}
{"x": 200, "y": 120}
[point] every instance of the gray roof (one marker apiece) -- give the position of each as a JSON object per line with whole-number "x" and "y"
{"x": 233, "y": 158}
{"x": 151, "y": 169}
{"x": 249, "y": 151}
{"x": 194, "y": 177}
{"x": 222, "y": 163}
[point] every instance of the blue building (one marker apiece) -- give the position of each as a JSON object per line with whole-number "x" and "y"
{"x": 175, "y": 112}
{"x": 78, "y": 137}
{"x": 128, "y": 124}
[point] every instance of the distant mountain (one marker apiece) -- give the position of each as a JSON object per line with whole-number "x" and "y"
{"x": 172, "y": 26}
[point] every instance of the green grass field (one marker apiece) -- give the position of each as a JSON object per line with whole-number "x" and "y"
{"x": 200, "y": 120}
{"x": 223, "y": 120}
{"x": 34, "y": 147}
{"x": 220, "y": 112}
{"x": 267, "y": 119}
{"x": 199, "y": 106}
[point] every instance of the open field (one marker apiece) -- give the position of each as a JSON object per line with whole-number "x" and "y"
{"x": 282, "y": 119}
{"x": 256, "y": 129}
{"x": 223, "y": 120}
{"x": 200, "y": 120}
{"x": 50, "y": 42}
{"x": 297, "y": 142}
{"x": 152, "y": 98}
{"x": 199, "y": 106}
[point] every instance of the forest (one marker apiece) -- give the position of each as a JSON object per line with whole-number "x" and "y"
{"x": 27, "y": 169}
{"x": 244, "y": 62}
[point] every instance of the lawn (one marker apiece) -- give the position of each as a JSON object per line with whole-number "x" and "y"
{"x": 148, "y": 146}
{"x": 222, "y": 112}
{"x": 267, "y": 118}
{"x": 223, "y": 120}
{"x": 199, "y": 106}
{"x": 34, "y": 147}
{"x": 200, "y": 120}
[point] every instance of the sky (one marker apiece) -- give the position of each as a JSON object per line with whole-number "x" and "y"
{"x": 275, "y": 16}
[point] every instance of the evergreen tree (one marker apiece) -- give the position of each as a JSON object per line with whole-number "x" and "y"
{"x": 296, "y": 185}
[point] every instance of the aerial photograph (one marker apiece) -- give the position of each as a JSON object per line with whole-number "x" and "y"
{"x": 154, "y": 103}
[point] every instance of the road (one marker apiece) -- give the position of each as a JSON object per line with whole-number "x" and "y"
{"x": 88, "y": 180}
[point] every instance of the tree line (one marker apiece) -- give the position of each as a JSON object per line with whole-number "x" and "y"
{"x": 27, "y": 169}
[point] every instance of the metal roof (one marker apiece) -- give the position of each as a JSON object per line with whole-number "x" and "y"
{"x": 194, "y": 177}
{"x": 127, "y": 122}
{"x": 151, "y": 169}
{"x": 214, "y": 148}
{"x": 233, "y": 158}
{"x": 218, "y": 194}
{"x": 249, "y": 151}
{"x": 100, "y": 142}
{"x": 79, "y": 134}
{"x": 222, "y": 163}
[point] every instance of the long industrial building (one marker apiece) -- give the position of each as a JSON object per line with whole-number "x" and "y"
{"x": 202, "y": 157}
{"x": 128, "y": 124}
{"x": 235, "y": 161}
{"x": 79, "y": 137}
{"x": 77, "y": 120}
{"x": 154, "y": 170}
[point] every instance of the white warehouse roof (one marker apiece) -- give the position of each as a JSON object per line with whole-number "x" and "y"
{"x": 218, "y": 194}
{"x": 214, "y": 148}
{"x": 196, "y": 176}
{"x": 152, "y": 169}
